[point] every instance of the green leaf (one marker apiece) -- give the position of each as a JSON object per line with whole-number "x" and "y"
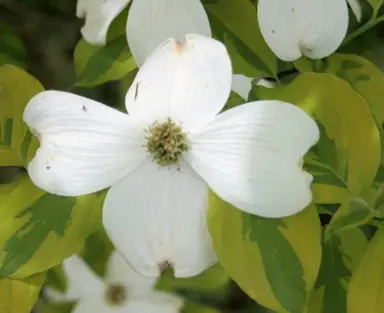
{"x": 96, "y": 65}
{"x": 12, "y": 50}
{"x": 57, "y": 307}
{"x": 366, "y": 290}
{"x": 275, "y": 261}
{"x": 39, "y": 230}
{"x": 341, "y": 255}
{"x": 376, "y": 4}
{"x": 19, "y": 296}
{"x": 346, "y": 119}
{"x": 97, "y": 250}
{"x": 234, "y": 22}
{"x": 56, "y": 279}
{"x": 17, "y": 145}
{"x": 191, "y": 307}
{"x": 212, "y": 280}
{"x": 234, "y": 100}
{"x": 352, "y": 213}
{"x": 328, "y": 187}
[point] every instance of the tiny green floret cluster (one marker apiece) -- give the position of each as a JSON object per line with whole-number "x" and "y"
{"x": 115, "y": 294}
{"x": 167, "y": 142}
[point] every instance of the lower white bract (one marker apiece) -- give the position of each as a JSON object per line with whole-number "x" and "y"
{"x": 122, "y": 290}
{"x": 250, "y": 156}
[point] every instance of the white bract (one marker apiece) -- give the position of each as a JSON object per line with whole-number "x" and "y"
{"x": 150, "y": 22}
{"x": 313, "y": 28}
{"x": 122, "y": 291}
{"x": 162, "y": 157}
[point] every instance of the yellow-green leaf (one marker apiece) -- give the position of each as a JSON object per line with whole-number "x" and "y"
{"x": 346, "y": 118}
{"x": 39, "y": 230}
{"x": 341, "y": 254}
{"x": 57, "y": 307}
{"x": 19, "y": 296}
{"x": 376, "y": 4}
{"x": 352, "y": 213}
{"x": 275, "y": 261}
{"x": 96, "y": 65}
{"x": 367, "y": 80}
{"x": 329, "y": 194}
{"x": 17, "y": 145}
{"x": 363, "y": 76}
{"x": 235, "y": 23}
{"x": 366, "y": 290}
{"x": 213, "y": 280}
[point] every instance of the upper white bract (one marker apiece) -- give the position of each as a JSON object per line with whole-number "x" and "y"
{"x": 89, "y": 290}
{"x": 250, "y": 155}
{"x": 314, "y": 28}
{"x": 150, "y": 22}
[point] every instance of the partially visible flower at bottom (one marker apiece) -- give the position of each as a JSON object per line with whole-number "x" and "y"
{"x": 122, "y": 291}
{"x": 162, "y": 157}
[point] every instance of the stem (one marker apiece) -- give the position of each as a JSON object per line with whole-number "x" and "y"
{"x": 367, "y": 26}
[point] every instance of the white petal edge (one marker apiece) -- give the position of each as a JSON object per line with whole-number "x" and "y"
{"x": 84, "y": 145}
{"x": 120, "y": 272}
{"x": 314, "y": 28}
{"x": 157, "y": 216}
{"x": 92, "y": 304}
{"x": 266, "y": 83}
{"x": 188, "y": 82}
{"x": 251, "y": 157}
{"x": 242, "y": 84}
{"x": 98, "y": 17}
{"x": 150, "y": 22}
{"x": 81, "y": 282}
{"x": 356, "y": 9}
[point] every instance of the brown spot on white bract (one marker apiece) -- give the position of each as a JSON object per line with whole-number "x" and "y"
{"x": 179, "y": 46}
{"x": 164, "y": 265}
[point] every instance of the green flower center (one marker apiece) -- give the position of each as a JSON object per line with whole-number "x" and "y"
{"x": 167, "y": 142}
{"x": 116, "y": 294}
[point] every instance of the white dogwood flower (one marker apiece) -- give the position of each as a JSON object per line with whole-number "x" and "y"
{"x": 149, "y": 23}
{"x": 122, "y": 291}
{"x": 172, "y": 146}
{"x": 313, "y": 28}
